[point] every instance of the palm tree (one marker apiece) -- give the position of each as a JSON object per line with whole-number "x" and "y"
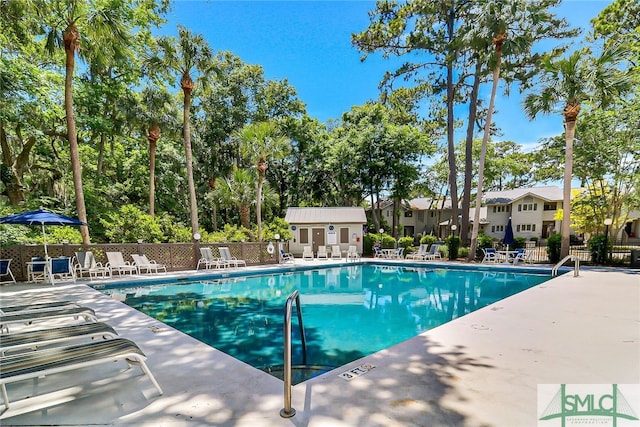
{"x": 569, "y": 82}
{"x": 258, "y": 142}
{"x": 190, "y": 53}
{"x": 106, "y": 30}
{"x": 237, "y": 190}
{"x": 157, "y": 110}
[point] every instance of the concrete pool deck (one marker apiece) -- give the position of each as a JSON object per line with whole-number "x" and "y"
{"x": 482, "y": 369}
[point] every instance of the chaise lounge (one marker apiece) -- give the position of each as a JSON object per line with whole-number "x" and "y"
{"x": 141, "y": 262}
{"x": 42, "y": 337}
{"x": 28, "y": 317}
{"x": 35, "y": 364}
{"x": 117, "y": 263}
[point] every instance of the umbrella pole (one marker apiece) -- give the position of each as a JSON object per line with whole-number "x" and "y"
{"x": 44, "y": 241}
{"x": 47, "y": 262}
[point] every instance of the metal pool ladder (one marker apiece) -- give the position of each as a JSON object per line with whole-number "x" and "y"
{"x": 576, "y": 267}
{"x": 288, "y": 411}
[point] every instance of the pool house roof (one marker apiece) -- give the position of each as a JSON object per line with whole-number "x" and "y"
{"x": 334, "y": 215}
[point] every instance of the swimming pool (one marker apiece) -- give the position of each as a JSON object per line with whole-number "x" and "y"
{"x": 348, "y": 312}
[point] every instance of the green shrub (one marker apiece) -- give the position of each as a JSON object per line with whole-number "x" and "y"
{"x": 463, "y": 252}
{"x": 130, "y": 224}
{"x": 405, "y": 242}
{"x": 276, "y": 226}
{"x": 554, "y": 242}
{"x": 483, "y": 242}
{"x": 368, "y": 241}
{"x": 520, "y": 242}
{"x": 428, "y": 239}
{"x": 599, "y": 247}
{"x": 388, "y": 242}
{"x": 230, "y": 233}
{"x": 453, "y": 245}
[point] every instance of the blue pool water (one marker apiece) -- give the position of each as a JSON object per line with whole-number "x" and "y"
{"x": 348, "y": 312}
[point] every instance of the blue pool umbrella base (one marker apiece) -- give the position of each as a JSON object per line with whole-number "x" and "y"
{"x": 41, "y": 217}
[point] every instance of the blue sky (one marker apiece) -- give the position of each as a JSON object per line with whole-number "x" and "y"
{"x": 308, "y": 43}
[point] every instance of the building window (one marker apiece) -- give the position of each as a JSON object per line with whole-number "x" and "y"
{"x": 525, "y": 227}
{"x": 551, "y": 206}
{"x": 408, "y": 214}
{"x": 344, "y": 235}
{"x": 421, "y": 216}
{"x": 304, "y": 235}
{"x": 501, "y": 208}
{"x": 527, "y": 207}
{"x": 497, "y": 228}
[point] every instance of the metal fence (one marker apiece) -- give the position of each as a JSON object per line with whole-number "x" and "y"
{"x": 176, "y": 256}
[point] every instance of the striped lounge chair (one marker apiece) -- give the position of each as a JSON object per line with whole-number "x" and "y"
{"x": 28, "y": 317}
{"x": 42, "y": 337}
{"x": 35, "y": 364}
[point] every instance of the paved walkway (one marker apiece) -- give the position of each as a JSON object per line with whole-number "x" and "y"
{"x": 480, "y": 370}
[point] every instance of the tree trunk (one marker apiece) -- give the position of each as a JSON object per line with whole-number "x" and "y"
{"x": 71, "y": 43}
{"x": 262, "y": 168}
{"x": 570, "y": 130}
{"x": 10, "y": 174}
{"x": 453, "y": 172}
{"x": 468, "y": 160}
{"x": 245, "y": 213}
{"x": 483, "y": 151}
{"x": 187, "y": 87}
{"x": 374, "y": 213}
{"x": 152, "y": 137}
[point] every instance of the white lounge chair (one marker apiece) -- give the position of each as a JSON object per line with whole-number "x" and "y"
{"x": 36, "y": 307}
{"x": 28, "y": 317}
{"x": 434, "y": 252}
{"x": 117, "y": 263}
{"x": 322, "y": 253}
{"x": 35, "y": 364}
{"x": 41, "y": 337}
{"x": 141, "y": 262}
{"x": 5, "y": 270}
{"x": 86, "y": 263}
{"x": 225, "y": 254}
{"x": 422, "y": 251}
{"x": 352, "y": 253}
{"x": 209, "y": 261}
{"x": 336, "y": 253}
{"x": 285, "y": 256}
{"x": 307, "y": 253}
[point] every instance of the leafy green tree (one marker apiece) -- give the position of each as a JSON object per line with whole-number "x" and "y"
{"x": 569, "y": 82}
{"x": 433, "y": 30}
{"x": 607, "y": 161}
{"x": 130, "y": 224}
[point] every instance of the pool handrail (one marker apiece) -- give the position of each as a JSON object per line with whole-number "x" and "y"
{"x": 576, "y": 267}
{"x": 287, "y": 411}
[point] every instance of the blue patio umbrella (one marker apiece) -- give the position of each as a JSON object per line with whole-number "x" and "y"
{"x": 509, "y": 240}
{"x": 41, "y": 217}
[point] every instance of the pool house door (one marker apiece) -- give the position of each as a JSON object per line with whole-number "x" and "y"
{"x": 317, "y": 238}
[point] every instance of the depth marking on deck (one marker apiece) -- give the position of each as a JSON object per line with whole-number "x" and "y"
{"x": 356, "y": 372}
